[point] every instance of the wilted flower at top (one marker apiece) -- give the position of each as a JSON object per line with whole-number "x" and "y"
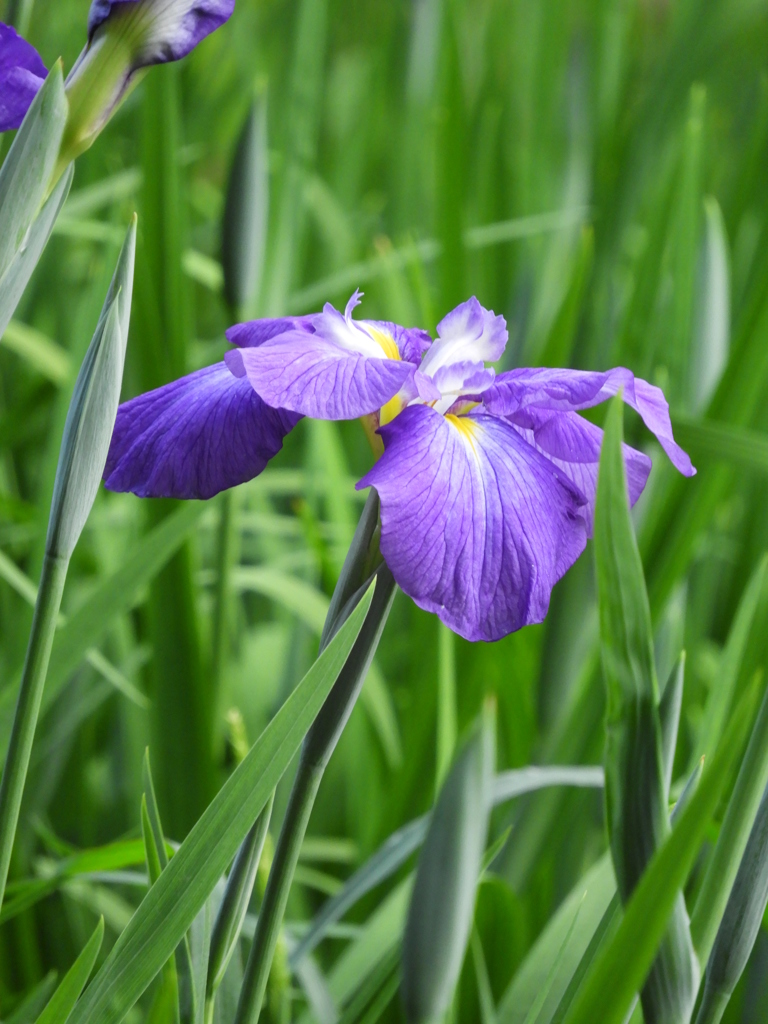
{"x": 487, "y": 481}
{"x": 124, "y": 36}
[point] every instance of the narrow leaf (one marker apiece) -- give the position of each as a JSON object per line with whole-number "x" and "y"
{"x": 442, "y": 904}
{"x": 636, "y": 776}
{"x": 618, "y": 970}
{"x": 72, "y": 984}
{"x": 734, "y": 833}
{"x": 172, "y": 903}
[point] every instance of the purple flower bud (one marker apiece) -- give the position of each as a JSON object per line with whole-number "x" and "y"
{"x": 166, "y": 29}
{"x": 125, "y": 36}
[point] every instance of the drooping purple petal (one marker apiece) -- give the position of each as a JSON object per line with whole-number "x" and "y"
{"x": 170, "y": 29}
{"x": 573, "y": 444}
{"x": 194, "y": 437}
{"x": 22, "y": 74}
{"x": 477, "y": 525}
{"x": 314, "y": 375}
{"x": 565, "y": 390}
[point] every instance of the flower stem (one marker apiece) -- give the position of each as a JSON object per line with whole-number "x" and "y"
{"x": 52, "y": 580}
{"x": 272, "y": 910}
{"x": 316, "y": 751}
{"x": 225, "y": 558}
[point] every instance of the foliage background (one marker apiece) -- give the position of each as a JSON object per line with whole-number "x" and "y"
{"x": 616, "y": 152}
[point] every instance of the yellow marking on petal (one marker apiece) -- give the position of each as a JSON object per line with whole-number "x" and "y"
{"x": 466, "y": 427}
{"x": 462, "y": 408}
{"x": 392, "y": 408}
{"x": 385, "y": 341}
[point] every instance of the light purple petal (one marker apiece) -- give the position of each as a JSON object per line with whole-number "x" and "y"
{"x": 170, "y": 28}
{"x": 424, "y": 388}
{"x": 565, "y": 390}
{"x": 464, "y": 378}
{"x": 313, "y": 375}
{"x": 573, "y": 444}
{"x": 255, "y": 332}
{"x": 22, "y": 74}
{"x": 469, "y": 334}
{"x": 194, "y": 437}
{"x": 477, "y": 526}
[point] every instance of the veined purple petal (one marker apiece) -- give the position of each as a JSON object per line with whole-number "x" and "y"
{"x": 574, "y": 444}
{"x": 312, "y": 376}
{"x": 326, "y": 364}
{"x": 516, "y": 391}
{"x": 477, "y": 525}
{"x": 170, "y": 28}
{"x": 194, "y": 437}
{"x": 469, "y": 334}
{"x": 464, "y": 378}
{"x": 255, "y": 332}
{"x": 412, "y": 342}
{"x": 22, "y": 74}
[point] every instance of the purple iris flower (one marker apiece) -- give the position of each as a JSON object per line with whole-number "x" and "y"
{"x": 151, "y": 31}
{"x": 487, "y": 481}
{"x": 22, "y": 73}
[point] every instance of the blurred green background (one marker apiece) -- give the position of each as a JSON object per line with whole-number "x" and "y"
{"x": 596, "y": 171}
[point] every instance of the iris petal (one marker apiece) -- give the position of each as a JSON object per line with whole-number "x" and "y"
{"x": 311, "y": 375}
{"x": 253, "y": 333}
{"x": 22, "y": 74}
{"x": 194, "y": 437}
{"x": 477, "y": 525}
{"x": 173, "y": 27}
{"x": 569, "y": 390}
{"x": 573, "y": 444}
{"x": 469, "y": 334}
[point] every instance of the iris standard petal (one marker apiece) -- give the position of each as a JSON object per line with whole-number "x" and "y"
{"x": 573, "y": 444}
{"x": 468, "y": 334}
{"x": 168, "y": 29}
{"x": 314, "y": 375}
{"x": 565, "y": 390}
{"x": 22, "y": 74}
{"x": 194, "y": 437}
{"x": 477, "y": 526}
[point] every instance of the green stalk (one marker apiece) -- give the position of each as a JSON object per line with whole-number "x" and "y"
{"x": 446, "y": 702}
{"x": 305, "y": 787}
{"x": 225, "y": 559}
{"x": 47, "y": 609}
{"x": 316, "y": 751}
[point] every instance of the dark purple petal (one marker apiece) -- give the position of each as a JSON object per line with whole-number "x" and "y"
{"x": 22, "y": 74}
{"x": 569, "y": 390}
{"x": 312, "y": 375}
{"x": 477, "y": 526}
{"x": 573, "y": 444}
{"x": 170, "y": 28}
{"x": 194, "y": 437}
{"x": 255, "y": 332}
